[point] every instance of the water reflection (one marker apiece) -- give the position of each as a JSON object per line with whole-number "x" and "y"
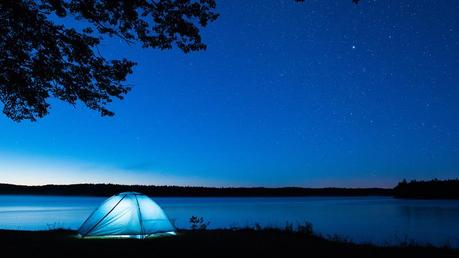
{"x": 362, "y": 219}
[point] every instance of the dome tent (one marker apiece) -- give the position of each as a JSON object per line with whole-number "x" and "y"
{"x": 128, "y": 214}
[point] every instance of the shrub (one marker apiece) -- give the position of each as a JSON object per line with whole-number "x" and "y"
{"x": 198, "y": 223}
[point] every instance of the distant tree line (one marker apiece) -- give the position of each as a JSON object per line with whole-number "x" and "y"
{"x": 433, "y": 189}
{"x": 186, "y": 191}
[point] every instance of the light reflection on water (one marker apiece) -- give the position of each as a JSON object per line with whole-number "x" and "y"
{"x": 362, "y": 219}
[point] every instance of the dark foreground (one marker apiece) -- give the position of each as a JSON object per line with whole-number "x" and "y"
{"x": 209, "y": 243}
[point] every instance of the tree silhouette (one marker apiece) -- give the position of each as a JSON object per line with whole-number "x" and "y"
{"x": 41, "y": 59}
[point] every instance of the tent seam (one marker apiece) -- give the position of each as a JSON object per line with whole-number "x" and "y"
{"x": 140, "y": 216}
{"x": 95, "y": 225}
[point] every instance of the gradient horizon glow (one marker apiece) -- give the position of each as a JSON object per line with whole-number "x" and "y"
{"x": 325, "y": 93}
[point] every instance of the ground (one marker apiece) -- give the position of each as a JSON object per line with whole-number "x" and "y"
{"x": 208, "y": 243}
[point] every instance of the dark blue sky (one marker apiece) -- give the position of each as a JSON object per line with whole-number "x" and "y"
{"x": 324, "y": 93}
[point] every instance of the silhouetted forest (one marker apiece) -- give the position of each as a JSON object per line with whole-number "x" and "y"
{"x": 111, "y": 189}
{"x": 433, "y": 189}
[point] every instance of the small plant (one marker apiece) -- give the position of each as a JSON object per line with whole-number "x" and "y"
{"x": 288, "y": 227}
{"x": 198, "y": 223}
{"x": 339, "y": 238}
{"x": 305, "y": 228}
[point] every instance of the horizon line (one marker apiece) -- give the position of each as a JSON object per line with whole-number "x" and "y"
{"x": 196, "y": 186}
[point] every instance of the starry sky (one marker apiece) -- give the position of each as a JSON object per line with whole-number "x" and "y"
{"x": 325, "y": 93}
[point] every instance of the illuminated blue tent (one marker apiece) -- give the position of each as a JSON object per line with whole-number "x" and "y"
{"x": 128, "y": 214}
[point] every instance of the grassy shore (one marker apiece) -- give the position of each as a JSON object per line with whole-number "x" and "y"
{"x": 207, "y": 243}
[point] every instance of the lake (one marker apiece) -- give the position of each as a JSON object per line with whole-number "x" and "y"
{"x": 362, "y": 219}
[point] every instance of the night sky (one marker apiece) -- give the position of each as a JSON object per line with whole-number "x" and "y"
{"x": 325, "y": 93}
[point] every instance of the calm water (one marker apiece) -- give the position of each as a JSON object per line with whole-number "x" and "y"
{"x": 362, "y": 219}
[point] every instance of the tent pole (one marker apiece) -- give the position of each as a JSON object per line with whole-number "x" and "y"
{"x": 140, "y": 217}
{"x": 95, "y": 225}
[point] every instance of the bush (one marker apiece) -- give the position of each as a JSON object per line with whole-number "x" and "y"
{"x": 305, "y": 228}
{"x": 198, "y": 223}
